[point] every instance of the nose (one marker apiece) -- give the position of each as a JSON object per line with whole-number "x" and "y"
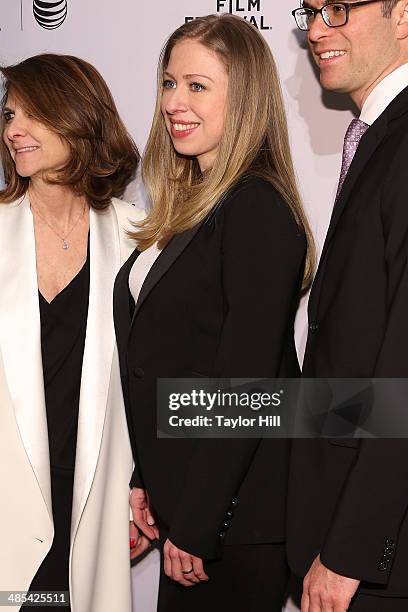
{"x": 176, "y": 100}
{"x": 318, "y": 29}
{"x": 15, "y": 128}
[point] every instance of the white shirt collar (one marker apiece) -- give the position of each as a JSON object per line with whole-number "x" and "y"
{"x": 384, "y": 93}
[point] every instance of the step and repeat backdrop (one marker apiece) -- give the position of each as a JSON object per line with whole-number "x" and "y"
{"x": 123, "y": 39}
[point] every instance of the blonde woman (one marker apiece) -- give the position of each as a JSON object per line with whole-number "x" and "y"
{"x": 212, "y": 290}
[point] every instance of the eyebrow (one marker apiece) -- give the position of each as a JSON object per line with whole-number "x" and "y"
{"x": 190, "y": 76}
{"x": 6, "y": 109}
{"x": 309, "y": 6}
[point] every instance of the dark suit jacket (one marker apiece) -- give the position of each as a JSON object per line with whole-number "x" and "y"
{"x": 349, "y": 498}
{"x": 220, "y": 300}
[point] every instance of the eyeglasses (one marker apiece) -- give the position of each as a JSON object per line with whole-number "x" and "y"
{"x": 334, "y": 15}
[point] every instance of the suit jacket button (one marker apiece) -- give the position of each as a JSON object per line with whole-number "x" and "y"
{"x": 221, "y": 535}
{"x": 313, "y": 327}
{"x": 225, "y": 525}
{"x": 229, "y": 514}
{"x": 234, "y": 502}
{"x": 138, "y": 372}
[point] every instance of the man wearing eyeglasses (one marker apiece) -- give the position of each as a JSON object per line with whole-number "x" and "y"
{"x": 348, "y": 501}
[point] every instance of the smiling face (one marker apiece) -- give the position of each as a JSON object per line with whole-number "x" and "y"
{"x": 194, "y": 101}
{"x": 355, "y": 57}
{"x": 36, "y": 151}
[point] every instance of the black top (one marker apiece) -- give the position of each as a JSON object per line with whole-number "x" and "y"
{"x": 63, "y": 329}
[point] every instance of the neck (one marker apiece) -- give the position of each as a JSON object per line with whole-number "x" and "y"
{"x": 359, "y": 97}
{"x": 58, "y": 202}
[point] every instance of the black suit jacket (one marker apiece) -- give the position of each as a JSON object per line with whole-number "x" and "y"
{"x": 220, "y": 300}
{"x": 349, "y": 498}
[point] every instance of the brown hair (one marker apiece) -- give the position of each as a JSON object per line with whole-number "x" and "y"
{"x": 388, "y": 6}
{"x": 255, "y": 139}
{"x": 70, "y": 97}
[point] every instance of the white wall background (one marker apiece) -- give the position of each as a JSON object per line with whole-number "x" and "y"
{"x": 123, "y": 40}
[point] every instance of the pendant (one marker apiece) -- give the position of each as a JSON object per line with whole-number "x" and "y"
{"x": 65, "y": 244}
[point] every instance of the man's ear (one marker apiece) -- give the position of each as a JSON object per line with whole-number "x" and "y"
{"x": 401, "y": 16}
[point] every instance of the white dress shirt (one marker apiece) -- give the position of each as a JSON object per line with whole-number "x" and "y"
{"x": 384, "y": 93}
{"x": 140, "y": 269}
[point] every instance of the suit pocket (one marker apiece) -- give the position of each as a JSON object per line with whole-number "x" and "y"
{"x": 346, "y": 442}
{"x": 198, "y": 375}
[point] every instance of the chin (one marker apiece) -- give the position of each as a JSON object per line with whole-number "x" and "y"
{"x": 24, "y": 173}
{"x": 186, "y": 150}
{"x": 332, "y": 85}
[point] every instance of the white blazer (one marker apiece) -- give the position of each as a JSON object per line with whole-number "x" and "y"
{"x": 99, "y": 558}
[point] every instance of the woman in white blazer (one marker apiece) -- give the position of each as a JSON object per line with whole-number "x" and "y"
{"x": 65, "y": 458}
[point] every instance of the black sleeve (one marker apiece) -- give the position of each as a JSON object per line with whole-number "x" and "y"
{"x": 363, "y": 538}
{"x": 262, "y": 254}
{"x": 136, "y": 480}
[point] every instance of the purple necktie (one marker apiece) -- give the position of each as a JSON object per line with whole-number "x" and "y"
{"x": 352, "y": 138}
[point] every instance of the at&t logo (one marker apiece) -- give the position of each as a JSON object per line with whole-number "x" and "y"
{"x": 50, "y": 14}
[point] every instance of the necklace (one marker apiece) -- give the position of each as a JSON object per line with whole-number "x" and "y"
{"x": 65, "y": 244}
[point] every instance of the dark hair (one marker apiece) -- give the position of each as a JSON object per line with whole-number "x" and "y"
{"x": 70, "y": 97}
{"x": 387, "y": 7}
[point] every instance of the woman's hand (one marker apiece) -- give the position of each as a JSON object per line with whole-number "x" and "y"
{"x": 142, "y": 514}
{"x": 182, "y": 567}
{"x": 138, "y": 542}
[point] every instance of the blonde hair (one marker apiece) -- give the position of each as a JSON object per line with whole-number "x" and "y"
{"x": 255, "y": 139}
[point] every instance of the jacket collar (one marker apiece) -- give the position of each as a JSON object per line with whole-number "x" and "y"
{"x": 165, "y": 260}
{"x": 20, "y": 341}
{"x": 98, "y": 353}
{"x": 20, "y": 336}
{"x": 124, "y": 318}
{"x": 370, "y": 142}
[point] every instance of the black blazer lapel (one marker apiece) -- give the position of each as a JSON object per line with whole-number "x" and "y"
{"x": 367, "y": 147}
{"x": 121, "y": 307}
{"x": 164, "y": 261}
